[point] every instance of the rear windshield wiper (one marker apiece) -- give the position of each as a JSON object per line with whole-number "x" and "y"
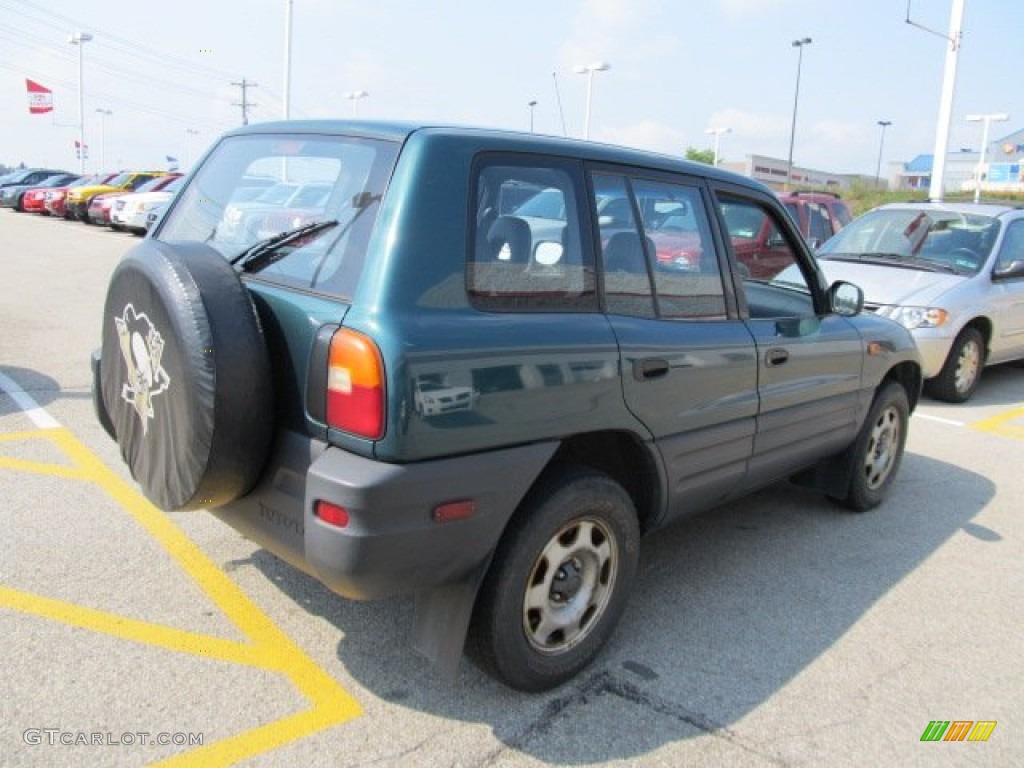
{"x": 265, "y": 252}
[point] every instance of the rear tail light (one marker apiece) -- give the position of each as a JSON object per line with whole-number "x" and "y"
{"x": 355, "y": 385}
{"x": 332, "y": 513}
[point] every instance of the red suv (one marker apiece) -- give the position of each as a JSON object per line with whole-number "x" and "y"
{"x": 761, "y": 249}
{"x": 819, "y": 215}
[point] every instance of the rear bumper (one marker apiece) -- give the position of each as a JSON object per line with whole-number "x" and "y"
{"x": 391, "y": 545}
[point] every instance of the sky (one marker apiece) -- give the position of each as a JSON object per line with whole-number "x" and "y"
{"x": 678, "y": 67}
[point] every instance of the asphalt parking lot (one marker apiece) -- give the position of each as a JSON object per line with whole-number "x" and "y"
{"x": 779, "y": 631}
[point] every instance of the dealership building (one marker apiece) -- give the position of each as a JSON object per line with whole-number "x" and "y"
{"x": 1001, "y": 171}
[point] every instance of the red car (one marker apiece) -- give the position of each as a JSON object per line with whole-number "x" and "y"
{"x": 56, "y": 199}
{"x": 98, "y": 211}
{"x": 34, "y": 199}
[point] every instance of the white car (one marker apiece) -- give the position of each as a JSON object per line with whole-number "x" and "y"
{"x": 281, "y": 207}
{"x": 953, "y": 274}
{"x": 130, "y": 211}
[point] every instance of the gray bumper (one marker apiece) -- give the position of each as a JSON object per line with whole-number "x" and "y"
{"x": 392, "y": 545}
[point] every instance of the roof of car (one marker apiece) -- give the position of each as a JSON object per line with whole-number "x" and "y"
{"x": 592, "y": 150}
{"x": 981, "y": 209}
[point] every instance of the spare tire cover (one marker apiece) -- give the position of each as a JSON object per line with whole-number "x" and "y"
{"x": 185, "y": 375}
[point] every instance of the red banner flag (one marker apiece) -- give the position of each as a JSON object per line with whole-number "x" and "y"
{"x": 40, "y": 98}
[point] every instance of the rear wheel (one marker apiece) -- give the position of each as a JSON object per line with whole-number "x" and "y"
{"x": 959, "y": 376}
{"x": 878, "y": 449}
{"x": 559, "y": 581}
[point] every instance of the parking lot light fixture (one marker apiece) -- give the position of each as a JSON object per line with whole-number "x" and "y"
{"x": 354, "y": 97}
{"x": 881, "y": 143}
{"x": 589, "y": 70}
{"x": 985, "y": 120}
{"x": 799, "y": 45}
{"x": 717, "y": 133}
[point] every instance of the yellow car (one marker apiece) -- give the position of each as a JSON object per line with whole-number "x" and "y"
{"x": 128, "y": 181}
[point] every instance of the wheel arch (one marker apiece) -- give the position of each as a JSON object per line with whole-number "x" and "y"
{"x": 983, "y": 325}
{"x": 907, "y": 375}
{"x": 625, "y": 458}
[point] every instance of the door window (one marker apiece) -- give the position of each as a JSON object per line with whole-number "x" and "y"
{"x": 774, "y": 281}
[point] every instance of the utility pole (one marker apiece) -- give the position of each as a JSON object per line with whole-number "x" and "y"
{"x": 956, "y": 17}
{"x": 245, "y": 104}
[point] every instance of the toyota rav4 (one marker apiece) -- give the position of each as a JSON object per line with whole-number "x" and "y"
{"x": 420, "y": 389}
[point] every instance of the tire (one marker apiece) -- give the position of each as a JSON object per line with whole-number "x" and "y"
{"x": 876, "y": 454}
{"x": 959, "y": 376}
{"x": 185, "y": 376}
{"x": 586, "y": 522}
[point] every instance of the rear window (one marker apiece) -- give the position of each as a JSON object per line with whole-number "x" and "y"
{"x": 251, "y": 188}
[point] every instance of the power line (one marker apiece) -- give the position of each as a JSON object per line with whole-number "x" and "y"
{"x": 120, "y": 100}
{"x": 105, "y": 38}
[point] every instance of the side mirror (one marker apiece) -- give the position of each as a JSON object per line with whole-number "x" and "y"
{"x": 845, "y": 298}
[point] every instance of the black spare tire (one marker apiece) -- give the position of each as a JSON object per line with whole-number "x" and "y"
{"x": 185, "y": 375}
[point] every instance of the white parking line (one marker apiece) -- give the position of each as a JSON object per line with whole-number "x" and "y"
{"x": 939, "y": 419}
{"x": 30, "y": 407}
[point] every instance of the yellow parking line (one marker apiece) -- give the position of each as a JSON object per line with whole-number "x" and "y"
{"x": 40, "y": 468}
{"x": 999, "y": 425}
{"x": 268, "y": 647}
{"x": 132, "y": 629}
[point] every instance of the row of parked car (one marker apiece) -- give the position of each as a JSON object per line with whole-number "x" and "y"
{"x": 128, "y": 200}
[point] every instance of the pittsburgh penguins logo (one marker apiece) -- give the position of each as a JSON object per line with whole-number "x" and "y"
{"x": 142, "y": 347}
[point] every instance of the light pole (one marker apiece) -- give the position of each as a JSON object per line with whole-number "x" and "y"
{"x": 589, "y": 70}
{"x": 996, "y": 117}
{"x": 103, "y": 113}
{"x": 287, "y": 59}
{"x": 531, "y": 105}
{"x": 717, "y": 133}
{"x": 354, "y": 97}
{"x": 189, "y": 133}
{"x": 881, "y": 143}
{"x": 80, "y": 39}
{"x": 799, "y": 45}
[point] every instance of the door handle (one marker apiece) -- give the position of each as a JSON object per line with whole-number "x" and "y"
{"x": 649, "y": 368}
{"x": 776, "y": 356}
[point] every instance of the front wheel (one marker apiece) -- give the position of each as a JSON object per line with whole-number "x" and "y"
{"x": 559, "y": 581}
{"x": 959, "y": 376}
{"x": 878, "y": 449}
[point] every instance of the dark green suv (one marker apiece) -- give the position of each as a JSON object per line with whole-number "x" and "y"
{"x": 439, "y": 383}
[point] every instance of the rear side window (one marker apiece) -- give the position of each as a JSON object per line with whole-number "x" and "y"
{"x": 253, "y": 187}
{"x": 527, "y": 252}
{"x": 818, "y": 225}
{"x": 657, "y": 253}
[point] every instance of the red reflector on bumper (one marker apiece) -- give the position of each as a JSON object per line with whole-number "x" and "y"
{"x": 454, "y": 510}
{"x": 331, "y": 513}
